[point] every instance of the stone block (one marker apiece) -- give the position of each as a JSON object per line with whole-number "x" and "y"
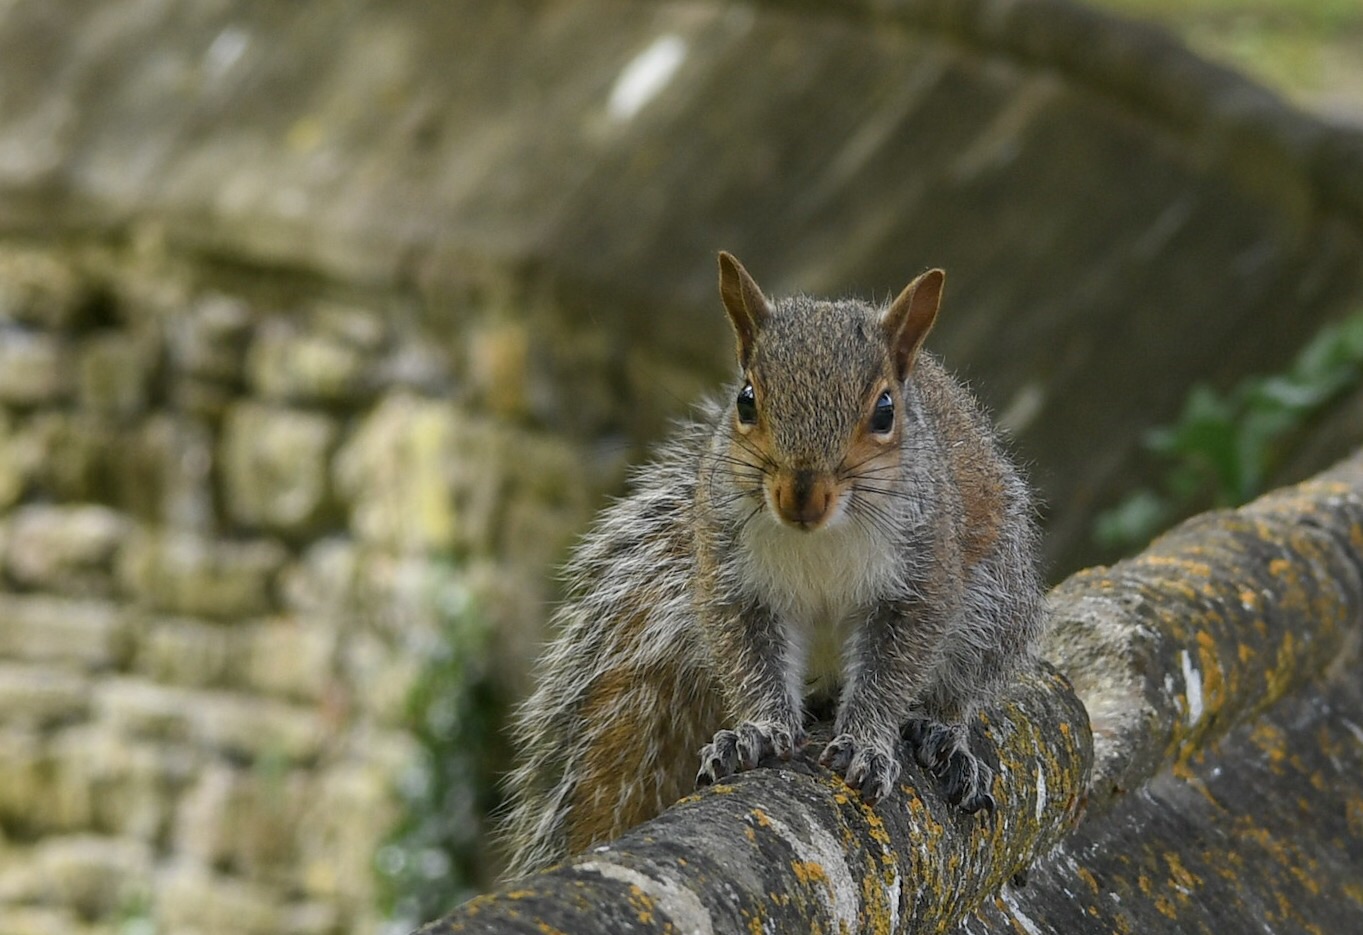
{"x": 209, "y": 340}
{"x": 276, "y": 466}
{"x": 184, "y": 651}
{"x": 30, "y": 803}
{"x": 191, "y": 899}
{"x": 66, "y": 548}
{"x": 114, "y": 373}
{"x": 126, "y": 787}
{"x": 354, "y": 810}
{"x": 42, "y": 695}
{"x": 245, "y": 819}
{"x": 291, "y": 365}
{"x": 74, "y": 455}
{"x": 38, "y": 288}
{"x": 35, "y": 369}
{"x": 394, "y": 473}
{"x": 96, "y": 876}
{"x": 186, "y": 574}
{"x": 20, "y": 457}
{"x": 163, "y": 473}
{"x": 260, "y": 729}
{"x": 84, "y": 633}
{"x": 240, "y": 726}
{"x": 294, "y": 657}
{"x": 136, "y": 708}
{"x": 321, "y": 582}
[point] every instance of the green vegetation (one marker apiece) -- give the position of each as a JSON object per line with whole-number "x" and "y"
{"x": 1223, "y": 449}
{"x": 1309, "y": 50}
{"x": 438, "y": 855}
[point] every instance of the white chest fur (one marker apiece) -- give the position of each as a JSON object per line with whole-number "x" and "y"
{"x": 821, "y": 583}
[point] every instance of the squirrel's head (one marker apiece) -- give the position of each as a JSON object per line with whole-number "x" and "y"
{"x": 820, "y": 415}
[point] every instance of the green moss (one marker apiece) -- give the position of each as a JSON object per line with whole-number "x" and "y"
{"x": 439, "y": 854}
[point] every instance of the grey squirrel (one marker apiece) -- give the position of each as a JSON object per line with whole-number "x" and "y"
{"x": 846, "y": 526}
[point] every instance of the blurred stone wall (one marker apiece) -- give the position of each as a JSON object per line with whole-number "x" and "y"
{"x": 232, "y": 520}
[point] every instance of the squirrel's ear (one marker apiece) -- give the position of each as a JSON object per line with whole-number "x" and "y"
{"x": 748, "y": 308}
{"x": 909, "y": 319}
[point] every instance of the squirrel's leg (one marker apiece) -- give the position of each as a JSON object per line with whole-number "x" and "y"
{"x": 884, "y": 684}
{"x": 760, "y": 678}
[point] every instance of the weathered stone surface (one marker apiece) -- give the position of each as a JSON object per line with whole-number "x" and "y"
{"x": 30, "y": 803}
{"x": 35, "y": 369}
{"x": 293, "y": 657}
{"x": 244, "y": 819}
{"x": 289, "y": 365}
{"x": 192, "y": 899}
{"x": 37, "y": 288}
{"x": 163, "y": 474}
{"x": 240, "y": 726}
{"x": 115, "y": 372}
{"x": 42, "y": 695}
{"x": 276, "y": 467}
{"x": 120, "y": 785}
{"x": 70, "y": 549}
{"x": 210, "y": 339}
{"x": 353, "y": 806}
{"x": 186, "y": 574}
{"x": 394, "y": 472}
{"x": 321, "y": 582}
{"x": 96, "y": 876}
{"x": 86, "y": 633}
{"x": 184, "y": 651}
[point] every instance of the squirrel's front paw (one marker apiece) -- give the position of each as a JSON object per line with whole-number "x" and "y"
{"x": 869, "y": 767}
{"x": 945, "y": 752}
{"x": 744, "y": 747}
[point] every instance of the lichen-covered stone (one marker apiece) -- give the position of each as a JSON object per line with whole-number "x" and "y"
{"x": 276, "y": 467}
{"x": 245, "y": 819}
{"x": 39, "y": 289}
{"x": 162, "y": 473}
{"x": 185, "y": 574}
{"x": 291, "y": 657}
{"x": 95, "y": 875}
{"x": 87, "y": 634}
{"x": 71, "y": 549}
{"x": 185, "y": 651}
{"x": 115, "y": 372}
{"x": 394, "y": 472}
{"x": 35, "y": 369}
{"x": 42, "y": 695}
{"x": 289, "y": 365}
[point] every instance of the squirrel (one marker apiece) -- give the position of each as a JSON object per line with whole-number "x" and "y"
{"x": 846, "y": 527}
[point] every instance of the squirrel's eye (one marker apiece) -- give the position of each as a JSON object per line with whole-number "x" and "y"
{"x": 882, "y": 417}
{"x": 746, "y": 405}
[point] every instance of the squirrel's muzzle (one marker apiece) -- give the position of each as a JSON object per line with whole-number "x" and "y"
{"x": 804, "y": 499}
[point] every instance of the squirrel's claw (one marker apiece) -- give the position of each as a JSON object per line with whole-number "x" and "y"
{"x": 865, "y": 767}
{"x": 965, "y": 778}
{"x": 744, "y": 747}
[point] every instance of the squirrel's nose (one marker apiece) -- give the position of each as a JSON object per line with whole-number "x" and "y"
{"x": 804, "y": 499}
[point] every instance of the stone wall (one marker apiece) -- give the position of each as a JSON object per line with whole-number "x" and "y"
{"x": 234, "y": 523}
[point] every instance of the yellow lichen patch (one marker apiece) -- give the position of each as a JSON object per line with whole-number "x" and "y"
{"x": 1245, "y": 652}
{"x": 641, "y": 904}
{"x": 807, "y": 871}
{"x": 1269, "y": 739}
{"x": 1353, "y": 816}
{"x": 1279, "y": 567}
{"x": 544, "y": 928}
{"x": 1166, "y": 907}
{"x": 1181, "y": 875}
{"x": 1213, "y": 681}
{"x": 1089, "y": 879}
{"x": 1143, "y": 882}
{"x": 760, "y": 817}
